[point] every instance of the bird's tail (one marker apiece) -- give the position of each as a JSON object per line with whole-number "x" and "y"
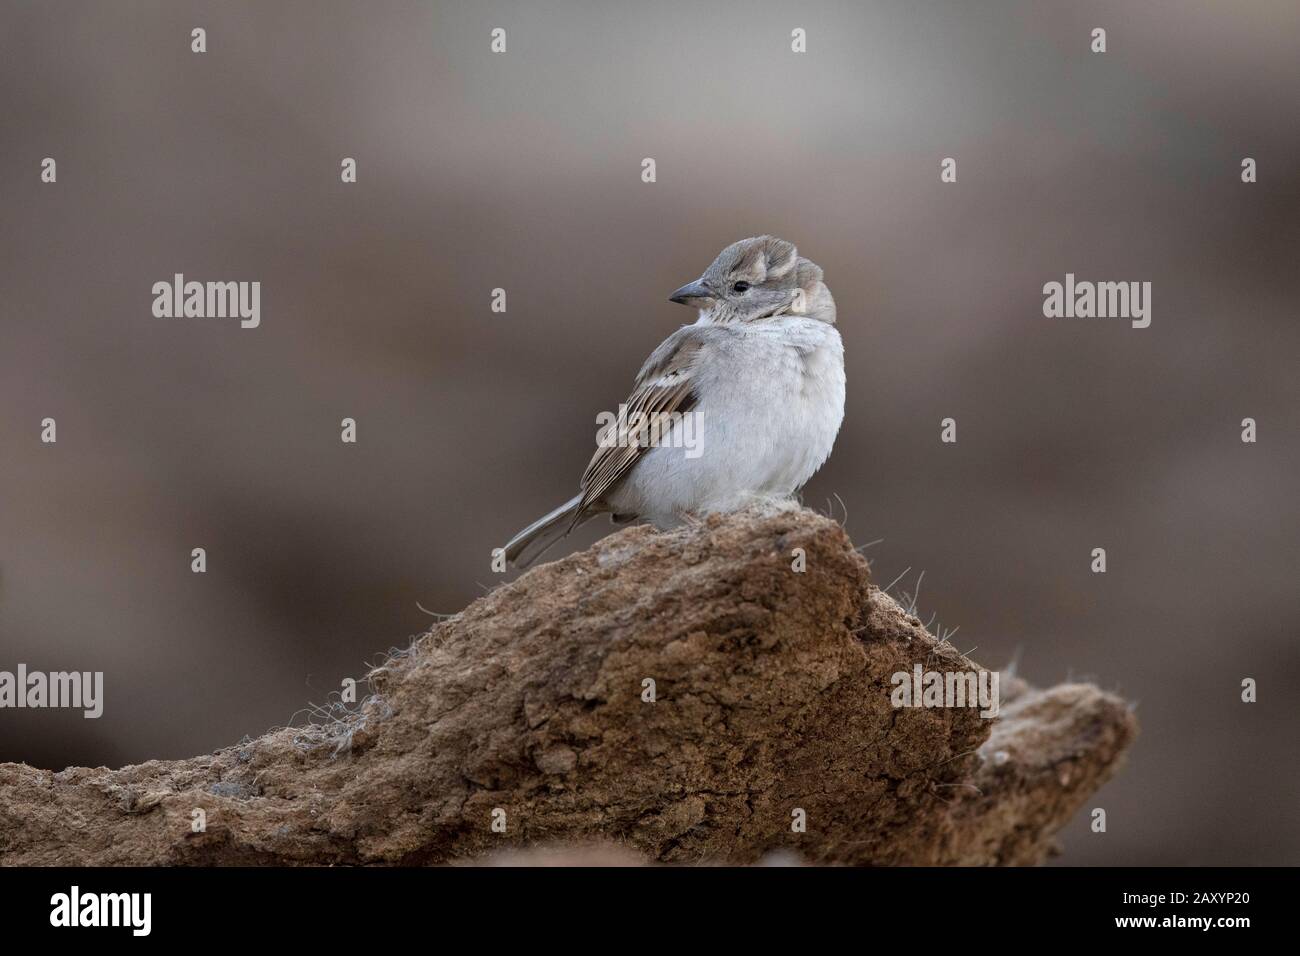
{"x": 542, "y": 533}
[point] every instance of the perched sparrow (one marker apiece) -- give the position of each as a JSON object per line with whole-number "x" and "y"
{"x": 761, "y": 374}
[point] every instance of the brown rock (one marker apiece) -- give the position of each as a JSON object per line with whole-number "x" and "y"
{"x": 771, "y": 694}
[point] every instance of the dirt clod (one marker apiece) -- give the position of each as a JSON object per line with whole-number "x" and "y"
{"x": 524, "y": 721}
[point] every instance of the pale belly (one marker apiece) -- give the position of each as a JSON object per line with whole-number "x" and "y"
{"x": 759, "y": 434}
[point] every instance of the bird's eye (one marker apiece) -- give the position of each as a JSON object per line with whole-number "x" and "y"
{"x": 740, "y": 287}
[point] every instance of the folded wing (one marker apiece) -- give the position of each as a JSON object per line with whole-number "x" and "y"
{"x": 664, "y": 385}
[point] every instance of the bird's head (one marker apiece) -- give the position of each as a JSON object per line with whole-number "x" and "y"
{"x": 757, "y": 279}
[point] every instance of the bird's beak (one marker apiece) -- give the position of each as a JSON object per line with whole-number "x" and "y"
{"x": 694, "y": 294}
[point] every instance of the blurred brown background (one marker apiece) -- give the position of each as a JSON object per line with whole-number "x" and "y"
{"x": 523, "y": 171}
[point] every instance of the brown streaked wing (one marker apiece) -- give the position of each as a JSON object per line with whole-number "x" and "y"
{"x": 663, "y": 385}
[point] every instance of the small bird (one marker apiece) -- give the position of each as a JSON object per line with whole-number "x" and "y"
{"x": 760, "y": 372}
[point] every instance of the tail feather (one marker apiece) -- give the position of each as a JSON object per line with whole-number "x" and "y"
{"x": 534, "y": 541}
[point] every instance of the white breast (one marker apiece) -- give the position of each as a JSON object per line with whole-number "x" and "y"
{"x": 771, "y": 400}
